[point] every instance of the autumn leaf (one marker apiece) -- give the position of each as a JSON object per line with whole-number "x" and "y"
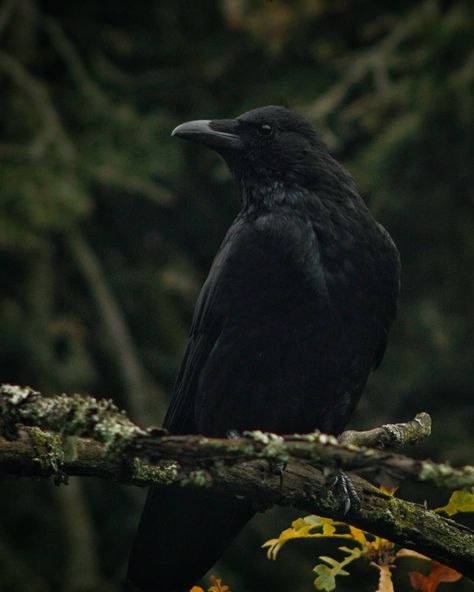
{"x": 388, "y": 490}
{"x": 460, "y": 501}
{"x": 385, "y": 578}
{"x": 411, "y": 553}
{"x": 358, "y": 535}
{"x": 218, "y": 587}
{"x": 439, "y": 573}
{"x": 303, "y": 528}
{"x": 379, "y": 552}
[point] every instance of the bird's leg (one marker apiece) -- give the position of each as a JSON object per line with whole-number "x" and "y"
{"x": 277, "y": 467}
{"x": 343, "y": 488}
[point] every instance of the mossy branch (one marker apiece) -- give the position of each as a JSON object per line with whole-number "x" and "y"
{"x": 78, "y": 435}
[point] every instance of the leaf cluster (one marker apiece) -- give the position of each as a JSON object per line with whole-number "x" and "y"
{"x": 380, "y": 553}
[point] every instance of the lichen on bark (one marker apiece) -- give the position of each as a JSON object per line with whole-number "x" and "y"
{"x": 79, "y": 435}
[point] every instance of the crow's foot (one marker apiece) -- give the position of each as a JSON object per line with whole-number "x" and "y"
{"x": 278, "y": 467}
{"x": 344, "y": 490}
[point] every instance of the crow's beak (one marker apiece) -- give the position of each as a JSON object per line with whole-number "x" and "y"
{"x": 220, "y": 135}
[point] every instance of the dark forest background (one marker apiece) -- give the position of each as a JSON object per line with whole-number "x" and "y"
{"x": 108, "y": 227}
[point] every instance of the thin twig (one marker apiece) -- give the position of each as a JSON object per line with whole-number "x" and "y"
{"x": 41, "y": 99}
{"x": 6, "y": 12}
{"x": 66, "y": 50}
{"x": 139, "y": 385}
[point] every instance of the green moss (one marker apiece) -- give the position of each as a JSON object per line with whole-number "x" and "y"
{"x": 275, "y": 451}
{"x": 77, "y": 415}
{"x": 70, "y": 448}
{"x": 263, "y": 437}
{"x": 445, "y": 475}
{"x": 16, "y": 395}
{"x": 198, "y": 477}
{"x": 165, "y": 473}
{"x": 49, "y": 452}
{"x": 312, "y": 437}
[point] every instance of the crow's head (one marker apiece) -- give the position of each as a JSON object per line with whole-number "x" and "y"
{"x": 271, "y": 143}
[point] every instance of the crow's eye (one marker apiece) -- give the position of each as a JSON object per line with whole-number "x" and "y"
{"x": 265, "y": 130}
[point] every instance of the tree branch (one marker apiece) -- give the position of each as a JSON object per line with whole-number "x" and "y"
{"x": 82, "y": 436}
{"x": 391, "y": 435}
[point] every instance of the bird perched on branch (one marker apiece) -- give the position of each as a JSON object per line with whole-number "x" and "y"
{"x": 294, "y": 314}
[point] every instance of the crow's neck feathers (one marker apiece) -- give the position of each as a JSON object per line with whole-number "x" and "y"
{"x": 269, "y": 194}
{"x": 260, "y": 189}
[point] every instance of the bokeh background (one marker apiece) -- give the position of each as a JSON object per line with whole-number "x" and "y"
{"x": 108, "y": 227}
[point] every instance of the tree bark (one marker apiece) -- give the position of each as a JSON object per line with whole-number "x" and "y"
{"x": 78, "y": 436}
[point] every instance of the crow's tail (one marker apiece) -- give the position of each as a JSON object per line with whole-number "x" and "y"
{"x": 181, "y": 534}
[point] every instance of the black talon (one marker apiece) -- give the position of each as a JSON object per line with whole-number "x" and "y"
{"x": 344, "y": 490}
{"x": 278, "y": 468}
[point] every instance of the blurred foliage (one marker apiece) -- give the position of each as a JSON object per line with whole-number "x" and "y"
{"x": 108, "y": 226}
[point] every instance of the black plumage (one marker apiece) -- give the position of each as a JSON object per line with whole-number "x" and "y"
{"x": 294, "y": 314}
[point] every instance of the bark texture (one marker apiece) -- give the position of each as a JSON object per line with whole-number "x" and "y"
{"x": 76, "y": 435}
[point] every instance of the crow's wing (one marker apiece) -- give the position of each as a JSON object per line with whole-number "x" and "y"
{"x": 390, "y": 282}
{"x": 205, "y": 330}
{"x": 269, "y": 270}
{"x": 253, "y": 255}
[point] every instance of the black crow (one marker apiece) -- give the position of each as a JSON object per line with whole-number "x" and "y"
{"x": 291, "y": 319}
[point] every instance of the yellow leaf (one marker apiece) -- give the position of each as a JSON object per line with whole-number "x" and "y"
{"x": 411, "y": 553}
{"x": 301, "y": 529}
{"x": 385, "y": 578}
{"x": 218, "y": 587}
{"x": 274, "y": 545}
{"x": 358, "y": 535}
{"x": 460, "y": 501}
{"x": 196, "y": 589}
{"x": 388, "y": 490}
{"x": 380, "y": 545}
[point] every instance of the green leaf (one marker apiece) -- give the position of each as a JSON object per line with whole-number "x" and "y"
{"x": 330, "y": 561}
{"x": 326, "y": 579}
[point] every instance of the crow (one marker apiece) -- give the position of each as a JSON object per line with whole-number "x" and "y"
{"x": 293, "y": 316}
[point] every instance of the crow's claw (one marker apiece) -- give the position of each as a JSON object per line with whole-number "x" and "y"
{"x": 278, "y": 468}
{"x": 343, "y": 488}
